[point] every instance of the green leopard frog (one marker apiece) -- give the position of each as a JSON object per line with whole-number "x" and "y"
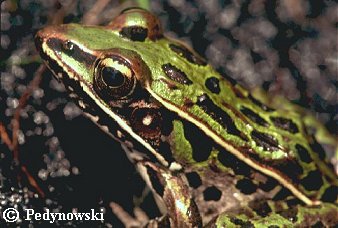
{"x": 212, "y": 153}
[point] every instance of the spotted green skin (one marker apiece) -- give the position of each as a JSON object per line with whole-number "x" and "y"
{"x": 296, "y": 217}
{"x": 170, "y": 95}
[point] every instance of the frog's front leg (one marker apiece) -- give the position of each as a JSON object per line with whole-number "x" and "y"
{"x": 181, "y": 210}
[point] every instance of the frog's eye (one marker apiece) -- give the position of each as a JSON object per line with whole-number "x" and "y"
{"x": 114, "y": 79}
{"x": 137, "y": 24}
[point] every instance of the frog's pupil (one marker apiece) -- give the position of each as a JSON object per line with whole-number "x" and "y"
{"x": 112, "y": 77}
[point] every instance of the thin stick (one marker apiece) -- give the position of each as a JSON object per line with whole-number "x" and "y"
{"x": 4, "y": 136}
{"x": 22, "y": 103}
{"x": 32, "y": 181}
{"x": 13, "y": 144}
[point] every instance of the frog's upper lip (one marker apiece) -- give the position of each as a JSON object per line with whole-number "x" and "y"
{"x": 50, "y": 32}
{"x": 42, "y": 37}
{"x": 39, "y": 40}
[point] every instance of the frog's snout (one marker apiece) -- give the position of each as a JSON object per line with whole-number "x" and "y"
{"x": 47, "y": 34}
{"x": 38, "y": 42}
{"x": 41, "y": 38}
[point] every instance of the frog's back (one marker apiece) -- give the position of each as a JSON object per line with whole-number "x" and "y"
{"x": 272, "y": 141}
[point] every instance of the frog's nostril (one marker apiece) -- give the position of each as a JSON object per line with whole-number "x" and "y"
{"x": 43, "y": 36}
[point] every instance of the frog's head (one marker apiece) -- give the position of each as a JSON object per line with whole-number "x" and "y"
{"x": 121, "y": 70}
{"x": 100, "y": 58}
{"x": 103, "y": 67}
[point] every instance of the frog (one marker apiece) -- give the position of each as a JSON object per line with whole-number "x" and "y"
{"x": 212, "y": 153}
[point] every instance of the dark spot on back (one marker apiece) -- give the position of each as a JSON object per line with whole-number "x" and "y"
{"x": 201, "y": 149}
{"x": 290, "y": 168}
{"x": 303, "y": 154}
{"x": 194, "y": 179}
{"x": 260, "y": 104}
{"x": 212, "y": 193}
{"x": 188, "y": 55}
{"x": 242, "y": 223}
{"x": 268, "y": 142}
{"x": 317, "y": 148}
{"x": 313, "y": 181}
{"x": 273, "y": 226}
{"x": 134, "y": 33}
{"x": 262, "y": 208}
{"x": 254, "y": 116}
{"x": 282, "y": 194}
{"x": 175, "y": 74}
{"x": 246, "y": 186}
{"x": 212, "y": 84}
{"x": 330, "y": 194}
{"x": 218, "y": 114}
{"x": 230, "y": 161}
{"x": 292, "y": 202}
{"x": 269, "y": 184}
{"x": 285, "y": 124}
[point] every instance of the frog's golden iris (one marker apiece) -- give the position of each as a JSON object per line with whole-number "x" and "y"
{"x": 113, "y": 78}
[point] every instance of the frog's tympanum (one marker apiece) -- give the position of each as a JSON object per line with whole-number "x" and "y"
{"x": 212, "y": 154}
